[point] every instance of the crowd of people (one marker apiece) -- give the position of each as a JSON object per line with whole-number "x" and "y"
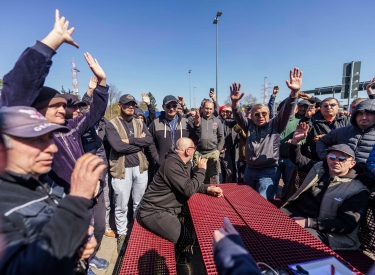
{"x": 63, "y": 165}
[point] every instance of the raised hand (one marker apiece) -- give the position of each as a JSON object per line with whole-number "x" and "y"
{"x": 304, "y": 96}
{"x": 295, "y": 81}
{"x": 310, "y": 110}
{"x": 235, "y": 94}
{"x": 276, "y": 89}
{"x": 369, "y": 87}
{"x": 300, "y": 133}
{"x": 181, "y": 100}
{"x": 212, "y": 96}
{"x": 93, "y": 83}
{"x": 197, "y": 118}
{"x": 60, "y": 33}
{"x": 146, "y": 99}
{"x": 96, "y": 69}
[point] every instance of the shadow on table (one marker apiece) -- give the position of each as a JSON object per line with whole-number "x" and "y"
{"x": 152, "y": 263}
{"x": 279, "y": 253}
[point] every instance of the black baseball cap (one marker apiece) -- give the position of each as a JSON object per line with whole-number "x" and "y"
{"x": 304, "y": 102}
{"x": 342, "y": 148}
{"x": 169, "y": 98}
{"x": 27, "y": 122}
{"x": 72, "y": 100}
{"x": 127, "y": 98}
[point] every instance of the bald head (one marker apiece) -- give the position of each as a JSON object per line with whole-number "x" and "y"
{"x": 184, "y": 143}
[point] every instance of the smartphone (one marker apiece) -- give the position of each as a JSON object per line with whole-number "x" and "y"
{"x": 212, "y": 90}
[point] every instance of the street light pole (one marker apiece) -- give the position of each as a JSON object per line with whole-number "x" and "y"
{"x": 189, "y": 88}
{"x": 216, "y": 22}
{"x": 194, "y": 96}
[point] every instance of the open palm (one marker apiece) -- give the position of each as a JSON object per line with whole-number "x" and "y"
{"x": 235, "y": 92}
{"x": 61, "y": 28}
{"x": 295, "y": 81}
{"x": 95, "y": 68}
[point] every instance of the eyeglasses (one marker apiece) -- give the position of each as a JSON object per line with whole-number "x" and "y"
{"x": 334, "y": 157}
{"x": 171, "y": 106}
{"x": 263, "y": 114}
{"x": 326, "y": 105}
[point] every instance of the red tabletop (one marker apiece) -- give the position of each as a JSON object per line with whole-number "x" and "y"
{"x": 268, "y": 234}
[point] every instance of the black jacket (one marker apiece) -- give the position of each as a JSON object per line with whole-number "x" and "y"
{"x": 318, "y": 126}
{"x": 42, "y": 233}
{"x": 172, "y": 186}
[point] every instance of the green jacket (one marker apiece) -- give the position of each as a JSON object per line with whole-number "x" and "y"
{"x": 288, "y": 134}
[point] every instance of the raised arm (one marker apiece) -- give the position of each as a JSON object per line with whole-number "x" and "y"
{"x": 22, "y": 85}
{"x": 271, "y": 102}
{"x": 150, "y": 107}
{"x": 235, "y": 96}
{"x": 287, "y": 111}
{"x": 370, "y": 92}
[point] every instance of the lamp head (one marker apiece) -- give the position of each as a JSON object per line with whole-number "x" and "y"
{"x": 219, "y": 13}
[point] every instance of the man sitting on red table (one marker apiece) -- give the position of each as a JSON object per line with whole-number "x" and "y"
{"x": 331, "y": 200}
{"x": 169, "y": 190}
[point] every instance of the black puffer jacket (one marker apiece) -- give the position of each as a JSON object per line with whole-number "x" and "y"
{"x": 41, "y": 234}
{"x": 361, "y": 141}
{"x": 318, "y": 126}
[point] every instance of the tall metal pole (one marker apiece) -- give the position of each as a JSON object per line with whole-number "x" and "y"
{"x": 194, "y": 96}
{"x": 189, "y": 88}
{"x": 217, "y": 47}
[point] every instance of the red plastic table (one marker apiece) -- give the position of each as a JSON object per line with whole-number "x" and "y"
{"x": 268, "y": 234}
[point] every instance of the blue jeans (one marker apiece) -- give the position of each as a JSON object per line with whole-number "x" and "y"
{"x": 134, "y": 182}
{"x": 285, "y": 170}
{"x": 263, "y": 180}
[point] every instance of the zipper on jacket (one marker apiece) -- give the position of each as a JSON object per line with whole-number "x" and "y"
{"x": 67, "y": 146}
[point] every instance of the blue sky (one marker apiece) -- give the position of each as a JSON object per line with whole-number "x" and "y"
{"x": 150, "y": 45}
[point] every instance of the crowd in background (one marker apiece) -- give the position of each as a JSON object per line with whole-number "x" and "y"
{"x": 65, "y": 165}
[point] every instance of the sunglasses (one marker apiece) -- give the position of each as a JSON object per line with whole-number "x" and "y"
{"x": 334, "y": 157}
{"x": 171, "y": 106}
{"x": 263, "y": 114}
{"x": 326, "y": 105}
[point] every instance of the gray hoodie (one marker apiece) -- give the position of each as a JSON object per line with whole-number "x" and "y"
{"x": 209, "y": 135}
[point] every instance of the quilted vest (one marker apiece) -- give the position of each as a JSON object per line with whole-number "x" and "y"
{"x": 337, "y": 192}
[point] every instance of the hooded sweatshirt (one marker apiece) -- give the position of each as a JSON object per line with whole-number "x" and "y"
{"x": 22, "y": 86}
{"x": 161, "y": 133}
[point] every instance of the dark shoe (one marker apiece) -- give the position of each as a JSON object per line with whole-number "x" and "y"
{"x": 120, "y": 243}
{"x": 98, "y": 263}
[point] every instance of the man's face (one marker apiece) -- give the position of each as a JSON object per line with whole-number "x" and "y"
{"x": 55, "y": 113}
{"x": 208, "y": 109}
{"x": 191, "y": 151}
{"x": 337, "y": 166}
{"x": 329, "y": 108}
{"x": 179, "y": 110}
{"x": 170, "y": 109}
{"x": 225, "y": 114}
{"x": 73, "y": 111}
{"x": 302, "y": 109}
{"x": 32, "y": 155}
{"x": 127, "y": 108}
{"x": 365, "y": 119}
{"x": 260, "y": 116}
{"x": 140, "y": 118}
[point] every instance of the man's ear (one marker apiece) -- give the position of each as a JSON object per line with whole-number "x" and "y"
{"x": 353, "y": 163}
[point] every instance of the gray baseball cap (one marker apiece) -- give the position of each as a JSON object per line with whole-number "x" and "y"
{"x": 27, "y": 122}
{"x": 342, "y": 148}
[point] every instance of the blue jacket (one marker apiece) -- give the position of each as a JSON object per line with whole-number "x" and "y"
{"x": 21, "y": 87}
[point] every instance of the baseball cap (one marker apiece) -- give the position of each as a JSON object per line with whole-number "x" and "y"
{"x": 304, "y": 102}
{"x": 72, "y": 100}
{"x": 127, "y": 98}
{"x": 22, "y": 121}
{"x": 342, "y": 148}
{"x": 169, "y": 98}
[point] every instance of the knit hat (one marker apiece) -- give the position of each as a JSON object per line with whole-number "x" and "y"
{"x": 46, "y": 97}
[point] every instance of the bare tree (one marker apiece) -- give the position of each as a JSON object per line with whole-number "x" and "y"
{"x": 114, "y": 94}
{"x": 249, "y": 99}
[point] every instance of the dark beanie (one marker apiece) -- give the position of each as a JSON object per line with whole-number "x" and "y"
{"x": 46, "y": 96}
